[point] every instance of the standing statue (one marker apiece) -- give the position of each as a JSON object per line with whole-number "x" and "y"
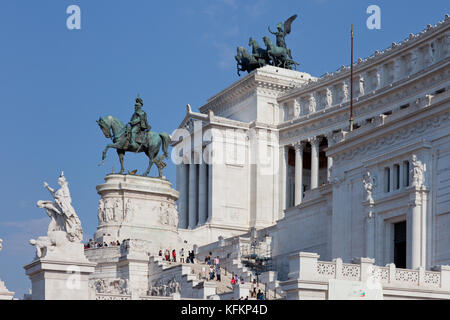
{"x": 417, "y": 172}
{"x": 101, "y": 211}
{"x": 369, "y": 185}
{"x": 62, "y": 214}
{"x": 117, "y": 210}
{"x": 109, "y": 210}
{"x": 281, "y": 33}
{"x": 1, "y": 244}
{"x": 128, "y": 214}
{"x": 135, "y": 137}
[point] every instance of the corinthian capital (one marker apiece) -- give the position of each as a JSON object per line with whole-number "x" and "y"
{"x": 299, "y": 146}
{"x": 315, "y": 141}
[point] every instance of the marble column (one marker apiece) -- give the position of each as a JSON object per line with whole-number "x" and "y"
{"x": 314, "y": 162}
{"x": 202, "y": 193}
{"x": 192, "y": 194}
{"x": 415, "y": 257}
{"x": 285, "y": 180}
{"x": 370, "y": 232}
{"x": 183, "y": 176}
{"x": 329, "y": 166}
{"x": 298, "y": 173}
{"x": 210, "y": 175}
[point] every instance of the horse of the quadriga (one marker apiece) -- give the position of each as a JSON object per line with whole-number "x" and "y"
{"x": 152, "y": 142}
{"x": 280, "y": 56}
{"x": 259, "y": 53}
{"x": 246, "y": 61}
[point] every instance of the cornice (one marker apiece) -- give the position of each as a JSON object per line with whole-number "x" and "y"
{"x": 337, "y": 116}
{"x": 372, "y": 61}
{"x": 393, "y": 131}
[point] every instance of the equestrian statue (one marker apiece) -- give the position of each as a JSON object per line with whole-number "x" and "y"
{"x": 135, "y": 137}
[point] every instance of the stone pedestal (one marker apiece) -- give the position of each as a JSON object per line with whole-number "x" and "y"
{"x": 139, "y": 208}
{"x": 5, "y": 294}
{"x": 60, "y": 271}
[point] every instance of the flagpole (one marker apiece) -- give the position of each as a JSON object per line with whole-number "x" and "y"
{"x": 351, "y": 84}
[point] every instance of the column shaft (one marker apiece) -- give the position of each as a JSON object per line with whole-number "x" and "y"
{"x": 298, "y": 173}
{"x": 202, "y": 193}
{"x": 329, "y": 165}
{"x": 314, "y": 163}
{"x": 415, "y": 237}
{"x": 183, "y": 186}
{"x": 192, "y": 194}
{"x": 210, "y": 182}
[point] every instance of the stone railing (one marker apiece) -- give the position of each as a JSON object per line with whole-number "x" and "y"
{"x": 306, "y": 266}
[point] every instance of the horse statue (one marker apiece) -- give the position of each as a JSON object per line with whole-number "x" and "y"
{"x": 119, "y": 133}
{"x": 245, "y": 61}
{"x": 280, "y": 56}
{"x": 259, "y": 53}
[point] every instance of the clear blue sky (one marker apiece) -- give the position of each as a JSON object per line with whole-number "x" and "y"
{"x": 55, "y": 82}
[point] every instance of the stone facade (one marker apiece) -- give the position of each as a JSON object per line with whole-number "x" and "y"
{"x": 280, "y": 158}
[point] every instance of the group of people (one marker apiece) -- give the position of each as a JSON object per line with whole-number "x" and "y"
{"x": 214, "y": 267}
{"x": 236, "y": 280}
{"x": 258, "y": 295}
{"x": 171, "y": 256}
{"x": 95, "y": 244}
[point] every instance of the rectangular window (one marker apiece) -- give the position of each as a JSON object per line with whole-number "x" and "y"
{"x": 396, "y": 177}
{"x": 400, "y": 244}
{"x": 387, "y": 179}
{"x": 406, "y": 173}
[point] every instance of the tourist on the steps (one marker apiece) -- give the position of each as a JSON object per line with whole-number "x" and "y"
{"x": 160, "y": 253}
{"x": 218, "y": 272}
{"x": 258, "y": 295}
{"x": 182, "y": 255}
{"x": 167, "y": 255}
{"x": 174, "y": 255}
{"x": 211, "y": 273}
{"x": 242, "y": 280}
{"x": 253, "y": 294}
{"x": 216, "y": 261}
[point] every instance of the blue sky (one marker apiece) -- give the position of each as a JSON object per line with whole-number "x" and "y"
{"x": 55, "y": 82}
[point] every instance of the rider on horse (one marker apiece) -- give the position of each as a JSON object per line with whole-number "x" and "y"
{"x": 138, "y": 123}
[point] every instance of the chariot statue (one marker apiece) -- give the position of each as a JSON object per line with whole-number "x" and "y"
{"x": 135, "y": 137}
{"x": 278, "y": 54}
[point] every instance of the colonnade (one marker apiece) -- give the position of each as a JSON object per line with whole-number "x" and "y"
{"x": 194, "y": 205}
{"x": 299, "y": 148}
